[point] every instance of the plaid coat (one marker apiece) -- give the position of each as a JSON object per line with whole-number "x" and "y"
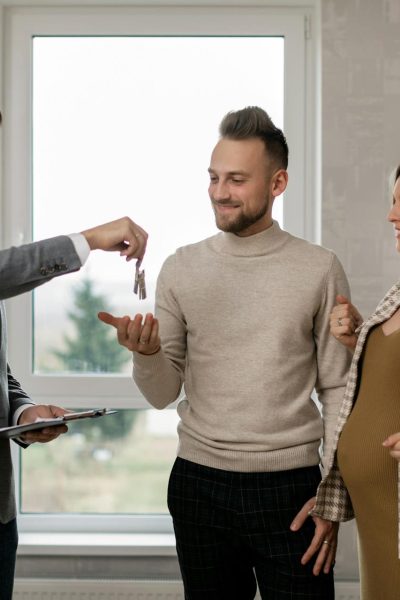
{"x": 333, "y": 501}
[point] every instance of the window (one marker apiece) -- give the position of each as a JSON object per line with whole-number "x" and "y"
{"x": 126, "y": 125}
{"x": 120, "y": 118}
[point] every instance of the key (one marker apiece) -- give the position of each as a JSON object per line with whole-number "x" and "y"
{"x": 136, "y": 283}
{"x": 140, "y": 283}
{"x": 142, "y": 286}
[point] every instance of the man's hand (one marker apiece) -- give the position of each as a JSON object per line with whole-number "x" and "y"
{"x": 324, "y": 542}
{"x": 393, "y": 444}
{"x": 42, "y": 411}
{"x": 344, "y": 320}
{"x": 133, "y": 334}
{"x": 122, "y": 235}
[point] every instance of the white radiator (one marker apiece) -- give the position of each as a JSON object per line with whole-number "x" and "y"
{"x": 62, "y": 589}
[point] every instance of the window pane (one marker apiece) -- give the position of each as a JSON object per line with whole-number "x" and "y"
{"x": 115, "y": 464}
{"x": 126, "y": 126}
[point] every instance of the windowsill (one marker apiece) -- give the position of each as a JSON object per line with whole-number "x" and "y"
{"x": 97, "y": 544}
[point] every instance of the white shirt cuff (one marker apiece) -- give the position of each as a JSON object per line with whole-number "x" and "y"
{"x": 81, "y": 246}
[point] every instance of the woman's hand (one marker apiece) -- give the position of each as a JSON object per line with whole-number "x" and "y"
{"x": 344, "y": 320}
{"x": 393, "y": 444}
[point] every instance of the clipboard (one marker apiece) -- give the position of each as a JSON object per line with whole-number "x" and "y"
{"x": 17, "y": 430}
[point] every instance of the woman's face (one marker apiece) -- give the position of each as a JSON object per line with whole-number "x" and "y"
{"x": 394, "y": 214}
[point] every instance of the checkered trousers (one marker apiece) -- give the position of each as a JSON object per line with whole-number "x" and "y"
{"x": 233, "y": 531}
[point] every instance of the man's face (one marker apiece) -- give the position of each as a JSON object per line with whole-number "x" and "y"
{"x": 240, "y": 186}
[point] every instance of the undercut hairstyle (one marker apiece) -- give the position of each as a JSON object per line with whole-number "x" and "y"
{"x": 254, "y": 122}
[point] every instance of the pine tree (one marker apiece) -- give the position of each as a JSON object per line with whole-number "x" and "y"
{"x": 94, "y": 347}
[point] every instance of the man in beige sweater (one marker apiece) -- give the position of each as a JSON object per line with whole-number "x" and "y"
{"x": 244, "y": 326}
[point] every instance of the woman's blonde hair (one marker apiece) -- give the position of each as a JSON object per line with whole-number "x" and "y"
{"x": 394, "y": 176}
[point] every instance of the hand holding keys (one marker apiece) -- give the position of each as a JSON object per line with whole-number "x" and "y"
{"x": 140, "y": 283}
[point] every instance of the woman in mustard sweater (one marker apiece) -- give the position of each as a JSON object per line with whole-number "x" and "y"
{"x": 363, "y": 478}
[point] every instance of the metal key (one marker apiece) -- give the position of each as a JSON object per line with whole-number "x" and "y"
{"x": 140, "y": 282}
{"x": 142, "y": 286}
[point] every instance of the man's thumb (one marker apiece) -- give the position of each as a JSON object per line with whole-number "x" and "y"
{"x": 342, "y": 299}
{"x": 108, "y": 318}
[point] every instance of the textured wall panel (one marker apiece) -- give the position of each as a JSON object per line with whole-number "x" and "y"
{"x": 360, "y": 140}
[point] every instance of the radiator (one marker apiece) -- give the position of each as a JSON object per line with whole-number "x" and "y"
{"x": 62, "y": 589}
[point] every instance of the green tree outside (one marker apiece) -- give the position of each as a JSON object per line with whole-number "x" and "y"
{"x": 94, "y": 349}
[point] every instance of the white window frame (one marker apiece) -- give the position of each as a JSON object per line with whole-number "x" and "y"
{"x": 21, "y": 24}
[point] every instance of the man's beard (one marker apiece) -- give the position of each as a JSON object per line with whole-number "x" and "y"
{"x": 243, "y": 220}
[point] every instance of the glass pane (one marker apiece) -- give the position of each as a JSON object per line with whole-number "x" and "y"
{"x": 126, "y": 126}
{"x": 115, "y": 464}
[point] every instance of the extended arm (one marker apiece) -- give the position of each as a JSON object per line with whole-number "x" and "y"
{"x": 25, "y": 267}
{"x": 158, "y": 366}
{"x": 160, "y": 377}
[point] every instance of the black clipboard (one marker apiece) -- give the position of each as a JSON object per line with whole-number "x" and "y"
{"x": 17, "y": 430}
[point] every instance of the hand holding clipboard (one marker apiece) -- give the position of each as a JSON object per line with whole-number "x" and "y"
{"x": 18, "y": 430}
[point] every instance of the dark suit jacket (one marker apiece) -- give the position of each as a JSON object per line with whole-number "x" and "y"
{"x": 21, "y": 270}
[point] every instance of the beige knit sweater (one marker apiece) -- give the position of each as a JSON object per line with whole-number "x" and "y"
{"x": 244, "y": 325}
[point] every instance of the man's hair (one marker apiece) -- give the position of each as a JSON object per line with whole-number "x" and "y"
{"x": 254, "y": 122}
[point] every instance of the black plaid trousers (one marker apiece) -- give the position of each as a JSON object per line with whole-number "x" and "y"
{"x": 233, "y": 531}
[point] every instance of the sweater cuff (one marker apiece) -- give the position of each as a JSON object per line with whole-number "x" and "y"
{"x": 148, "y": 361}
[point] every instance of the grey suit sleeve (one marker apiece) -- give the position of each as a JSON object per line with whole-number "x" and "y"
{"x": 16, "y": 395}
{"x": 25, "y": 267}
{"x": 17, "y": 398}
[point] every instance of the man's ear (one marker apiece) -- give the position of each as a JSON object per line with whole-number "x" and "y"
{"x": 279, "y": 182}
